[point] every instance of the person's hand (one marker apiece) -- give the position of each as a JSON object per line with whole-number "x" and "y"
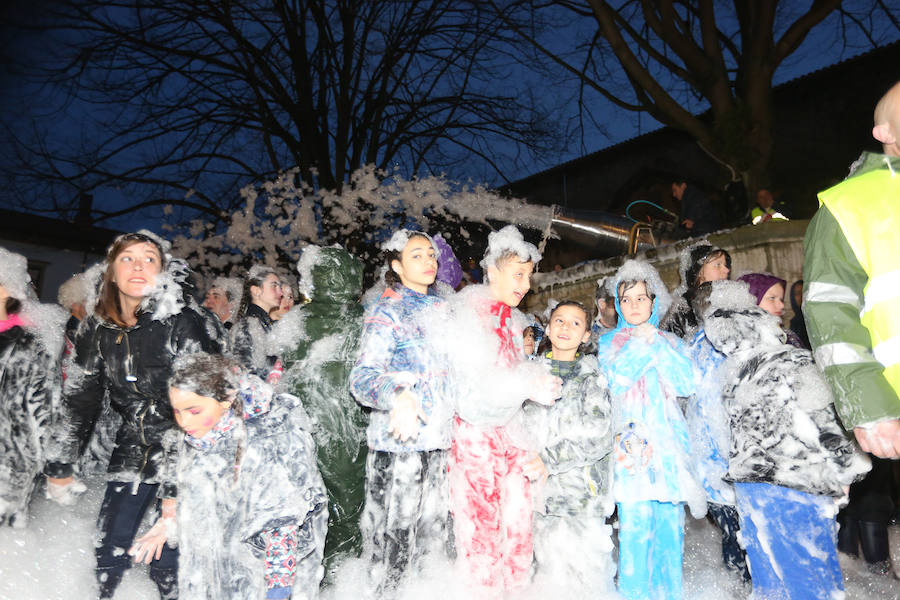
{"x": 535, "y": 469}
{"x": 688, "y": 224}
{"x": 405, "y": 416}
{"x": 881, "y": 439}
{"x": 149, "y": 546}
{"x": 547, "y": 389}
{"x": 65, "y": 490}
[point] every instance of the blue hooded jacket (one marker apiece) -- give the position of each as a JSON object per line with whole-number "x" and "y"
{"x": 647, "y": 373}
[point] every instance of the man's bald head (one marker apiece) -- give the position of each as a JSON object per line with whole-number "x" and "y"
{"x": 887, "y": 121}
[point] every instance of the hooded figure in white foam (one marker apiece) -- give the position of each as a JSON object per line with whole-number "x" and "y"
{"x": 31, "y": 338}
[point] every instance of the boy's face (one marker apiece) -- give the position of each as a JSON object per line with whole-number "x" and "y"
{"x": 528, "y": 341}
{"x": 217, "y": 301}
{"x": 635, "y": 304}
{"x": 568, "y": 328}
{"x": 510, "y": 281}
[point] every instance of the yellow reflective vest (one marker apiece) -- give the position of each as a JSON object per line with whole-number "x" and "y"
{"x": 867, "y": 208}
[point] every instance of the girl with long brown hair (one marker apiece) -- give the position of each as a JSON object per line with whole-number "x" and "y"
{"x": 142, "y": 319}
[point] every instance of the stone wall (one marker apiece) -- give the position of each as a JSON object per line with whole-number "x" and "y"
{"x": 775, "y": 247}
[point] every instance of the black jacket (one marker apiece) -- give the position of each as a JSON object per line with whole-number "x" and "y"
{"x": 249, "y": 341}
{"x": 134, "y": 365}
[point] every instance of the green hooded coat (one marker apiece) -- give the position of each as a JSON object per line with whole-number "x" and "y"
{"x": 317, "y": 372}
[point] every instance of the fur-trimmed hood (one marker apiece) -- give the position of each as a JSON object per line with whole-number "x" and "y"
{"x": 639, "y": 270}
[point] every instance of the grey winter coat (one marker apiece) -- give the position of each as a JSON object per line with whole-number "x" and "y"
{"x": 223, "y": 509}
{"x": 784, "y": 429}
{"x": 577, "y": 442}
{"x": 30, "y": 383}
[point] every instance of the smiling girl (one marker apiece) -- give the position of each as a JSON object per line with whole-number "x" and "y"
{"x": 404, "y": 381}
{"x": 142, "y": 320}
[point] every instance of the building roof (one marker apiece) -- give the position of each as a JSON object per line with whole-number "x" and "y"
{"x": 663, "y": 135}
{"x": 54, "y": 233}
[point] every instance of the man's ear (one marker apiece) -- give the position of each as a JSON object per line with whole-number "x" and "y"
{"x": 883, "y": 134}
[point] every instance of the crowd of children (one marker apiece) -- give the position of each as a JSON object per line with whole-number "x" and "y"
{"x": 482, "y": 445}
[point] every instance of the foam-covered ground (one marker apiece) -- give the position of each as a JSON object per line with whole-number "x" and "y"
{"x": 53, "y": 559}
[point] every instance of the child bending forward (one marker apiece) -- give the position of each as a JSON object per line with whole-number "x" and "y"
{"x": 789, "y": 457}
{"x": 572, "y": 542}
{"x": 252, "y": 509}
{"x": 652, "y": 478}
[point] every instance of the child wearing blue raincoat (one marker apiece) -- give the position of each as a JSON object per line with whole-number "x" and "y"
{"x": 710, "y": 434}
{"x": 648, "y": 370}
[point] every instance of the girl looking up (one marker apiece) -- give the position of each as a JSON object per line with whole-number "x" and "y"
{"x": 143, "y": 318}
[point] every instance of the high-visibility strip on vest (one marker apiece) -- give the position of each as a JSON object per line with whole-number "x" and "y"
{"x": 821, "y": 291}
{"x": 867, "y": 208}
{"x": 842, "y": 353}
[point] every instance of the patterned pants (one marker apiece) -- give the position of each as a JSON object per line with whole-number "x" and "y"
{"x": 490, "y": 499}
{"x": 405, "y": 516}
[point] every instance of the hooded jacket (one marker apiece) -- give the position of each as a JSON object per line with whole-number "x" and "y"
{"x": 133, "y": 365}
{"x": 317, "y": 370}
{"x": 652, "y": 453}
{"x": 228, "y": 499}
{"x": 395, "y": 354}
{"x": 784, "y": 430}
{"x": 30, "y": 383}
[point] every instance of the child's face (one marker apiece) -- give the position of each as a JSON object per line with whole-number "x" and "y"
{"x": 568, "y": 329}
{"x": 636, "y": 304}
{"x": 715, "y": 269}
{"x": 510, "y": 281}
{"x": 528, "y": 341}
{"x": 196, "y": 414}
{"x": 773, "y": 300}
{"x": 417, "y": 266}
